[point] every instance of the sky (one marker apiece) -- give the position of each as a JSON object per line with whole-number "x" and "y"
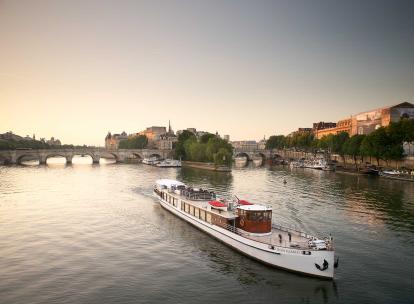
{"x": 78, "y": 69}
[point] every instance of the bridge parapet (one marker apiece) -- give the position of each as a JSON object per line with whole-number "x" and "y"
{"x": 120, "y": 155}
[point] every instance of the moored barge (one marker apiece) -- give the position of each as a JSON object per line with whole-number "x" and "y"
{"x": 248, "y": 228}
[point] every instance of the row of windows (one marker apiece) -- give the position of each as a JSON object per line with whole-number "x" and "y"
{"x": 197, "y": 212}
{"x": 256, "y": 215}
{"x": 194, "y": 211}
{"x": 169, "y": 199}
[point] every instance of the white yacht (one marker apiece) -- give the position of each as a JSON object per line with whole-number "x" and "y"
{"x": 169, "y": 163}
{"x": 151, "y": 160}
{"x": 248, "y": 228}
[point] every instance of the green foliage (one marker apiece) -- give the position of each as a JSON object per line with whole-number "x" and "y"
{"x": 223, "y": 157}
{"x": 384, "y": 143}
{"x": 180, "y": 151}
{"x": 353, "y": 145}
{"x": 209, "y": 148}
{"x": 23, "y": 144}
{"x": 136, "y": 142}
{"x": 276, "y": 142}
{"x": 334, "y": 143}
{"x": 206, "y": 137}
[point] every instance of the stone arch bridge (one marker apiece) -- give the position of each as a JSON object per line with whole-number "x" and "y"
{"x": 120, "y": 155}
{"x": 257, "y": 153}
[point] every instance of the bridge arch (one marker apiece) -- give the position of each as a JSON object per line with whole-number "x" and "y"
{"x": 158, "y": 156}
{"x": 136, "y": 155}
{"x": 243, "y": 154}
{"x": 21, "y": 158}
{"x": 95, "y": 158}
{"x": 259, "y": 154}
{"x": 111, "y": 154}
{"x": 56, "y": 155}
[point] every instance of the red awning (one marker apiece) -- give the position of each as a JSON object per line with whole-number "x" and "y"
{"x": 217, "y": 204}
{"x": 243, "y": 202}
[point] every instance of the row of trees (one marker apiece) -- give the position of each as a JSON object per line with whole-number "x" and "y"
{"x": 208, "y": 148}
{"x": 31, "y": 144}
{"x": 136, "y": 142}
{"x": 384, "y": 143}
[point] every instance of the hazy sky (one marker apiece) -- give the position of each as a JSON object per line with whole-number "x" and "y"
{"x": 77, "y": 69}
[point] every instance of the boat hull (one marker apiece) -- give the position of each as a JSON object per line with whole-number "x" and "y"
{"x": 290, "y": 259}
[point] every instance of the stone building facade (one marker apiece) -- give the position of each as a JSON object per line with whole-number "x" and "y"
{"x": 367, "y": 122}
{"x": 341, "y": 126}
{"x": 112, "y": 140}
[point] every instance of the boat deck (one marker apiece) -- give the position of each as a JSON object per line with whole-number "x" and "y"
{"x": 280, "y": 236}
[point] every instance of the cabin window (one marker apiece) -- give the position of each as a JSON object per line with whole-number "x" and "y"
{"x": 208, "y": 217}
{"x": 187, "y": 208}
{"x": 197, "y": 212}
{"x": 191, "y": 210}
{"x": 182, "y": 206}
{"x": 203, "y": 215}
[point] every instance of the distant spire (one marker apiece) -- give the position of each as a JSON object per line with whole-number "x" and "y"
{"x": 170, "y": 131}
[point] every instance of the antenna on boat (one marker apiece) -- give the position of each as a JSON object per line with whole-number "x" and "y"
{"x": 237, "y": 198}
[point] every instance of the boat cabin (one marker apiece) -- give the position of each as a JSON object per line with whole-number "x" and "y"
{"x": 254, "y": 218}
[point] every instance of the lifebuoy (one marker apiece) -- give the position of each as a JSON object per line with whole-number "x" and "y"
{"x": 241, "y": 222}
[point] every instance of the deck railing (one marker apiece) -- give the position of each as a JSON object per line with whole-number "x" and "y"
{"x": 268, "y": 240}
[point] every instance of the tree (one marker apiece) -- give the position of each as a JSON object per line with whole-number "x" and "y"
{"x": 206, "y": 137}
{"x": 136, "y": 142}
{"x": 276, "y": 142}
{"x": 353, "y": 147}
{"x": 223, "y": 157}
{"x": 180, "y": 151}
{"x": 209, "y": 148}
{"x": 382, "y": 145}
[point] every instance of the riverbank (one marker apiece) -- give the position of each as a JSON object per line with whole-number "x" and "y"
{"x": 206, "y": 166}
{"x": 348, "y": 161}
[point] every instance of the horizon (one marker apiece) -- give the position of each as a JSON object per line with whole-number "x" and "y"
{"x": 246, "y": 69}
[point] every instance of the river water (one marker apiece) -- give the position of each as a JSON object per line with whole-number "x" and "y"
{"x": 94, "y": 234}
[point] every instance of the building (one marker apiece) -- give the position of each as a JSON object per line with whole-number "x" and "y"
{"x": 112, "y": 141}
{"x": 366, "y": 122}
{"x": 323, "y": 125}
{"x": 159, "y": 137}
{"x": 53, "y": 142}
{"x": 166, "y": 141}
{"x": 245, "y": 145}
{"x": 301, "y": 131}
{"x": 261, "y": 145}
{"x": 153, "y": 133}
{"x": 343, "y": 125}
